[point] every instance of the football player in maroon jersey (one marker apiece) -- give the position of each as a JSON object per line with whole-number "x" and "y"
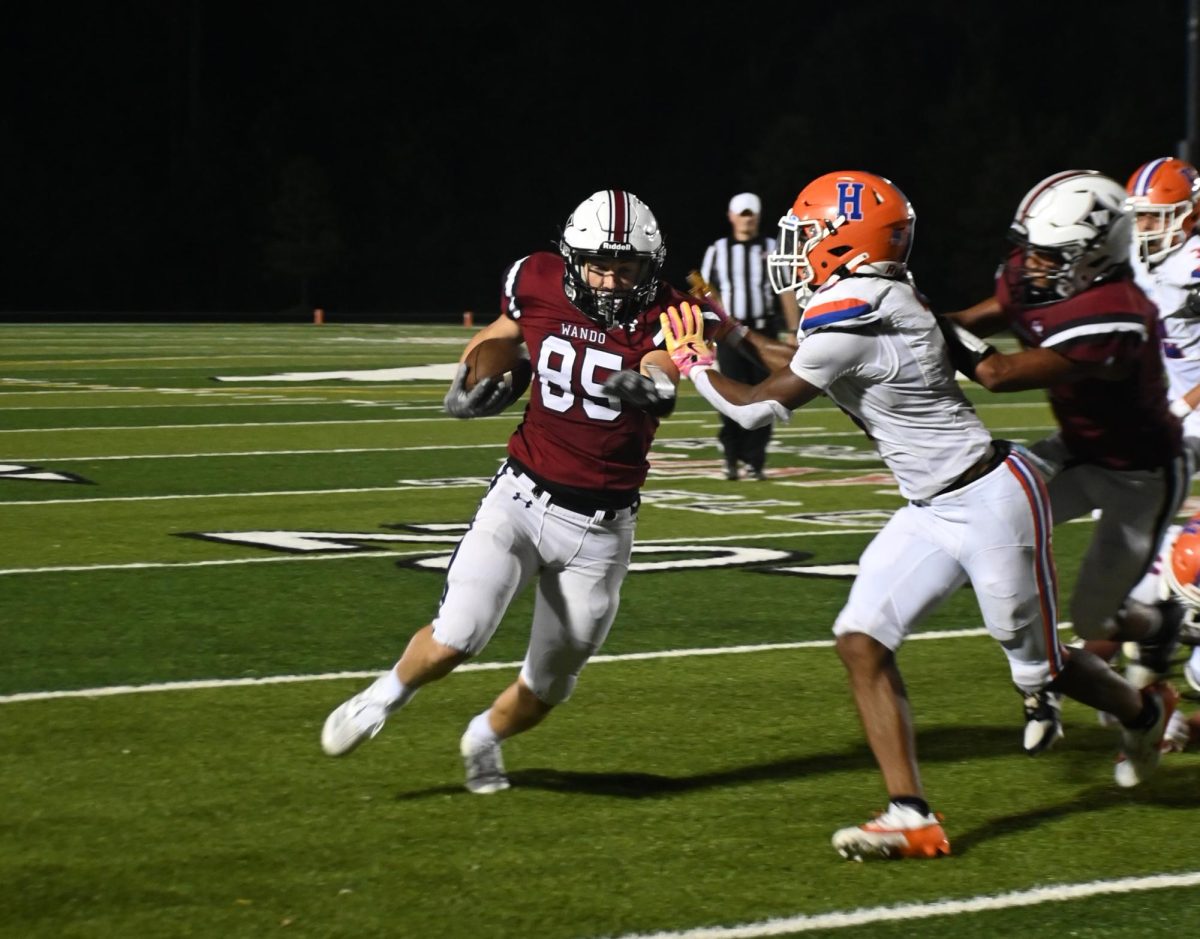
{"x": 1089, "y": 337}
{"x": 562, "y": 508}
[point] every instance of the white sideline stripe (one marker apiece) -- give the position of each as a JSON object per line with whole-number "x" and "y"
{"x": 212, "y": 454}
{"x": 73, "y": 458}
{"x": 913, "y": 911}
{"x": 190, "y": 405}
{"x": 215, "y": 495}
{"x": 266, "y": 494}
{"x": 152, "y": 565}
{"x": 469, "y": 667}
{"x": 237, "y": 425}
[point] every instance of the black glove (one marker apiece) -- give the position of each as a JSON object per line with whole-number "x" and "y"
{"x": 1191, "y": 303}
{"x": 654, "y": 395}
{"x": 489, "y": 397}
{"x": 966, "y": 349}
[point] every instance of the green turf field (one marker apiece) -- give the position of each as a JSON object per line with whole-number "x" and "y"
{"x": 195, "y": 571}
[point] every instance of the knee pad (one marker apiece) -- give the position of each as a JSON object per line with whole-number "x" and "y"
{"x": 550, "y": 689}
{"x": 882, "y": 630}
{"x": 1030, "y": 678}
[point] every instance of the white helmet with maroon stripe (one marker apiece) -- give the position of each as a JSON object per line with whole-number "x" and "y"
{"x": 612, "y": 225}
{"x": 1075, "y": 230}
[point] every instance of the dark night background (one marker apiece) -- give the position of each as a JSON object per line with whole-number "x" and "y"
{"x": 176, "y": 158}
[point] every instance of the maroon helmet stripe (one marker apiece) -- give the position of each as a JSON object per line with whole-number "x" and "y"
{"x": 619, "y": 202}
{"x": 1046, "y": 184}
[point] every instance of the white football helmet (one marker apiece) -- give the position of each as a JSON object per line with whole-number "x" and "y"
{"x": 1074, "y": 229}
{"x": 612, "y": 224}
{"x": 1165, "y": 197}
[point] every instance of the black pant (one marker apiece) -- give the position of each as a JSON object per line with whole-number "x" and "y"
{"x": 749, "y": 446}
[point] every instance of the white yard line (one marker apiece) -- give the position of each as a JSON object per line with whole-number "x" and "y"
{"x": 219, "y": 495}
{"x": 837, "y": 919}
{"x": 41, "y": 460}
{"x": 351, "y": 422}
{"x": 111, "y": 690}
{"x": 840, "y": 919}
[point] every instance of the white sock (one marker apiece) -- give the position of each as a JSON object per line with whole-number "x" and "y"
{"x": 391, "y": 689}
{"x": 481, "y": 728}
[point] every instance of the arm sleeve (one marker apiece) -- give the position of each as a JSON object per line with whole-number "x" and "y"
{"x": 749, "y": 416}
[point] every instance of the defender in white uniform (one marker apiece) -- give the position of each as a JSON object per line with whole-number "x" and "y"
{"x": 1165, "y": 197}
{"x": 978, "y": 508}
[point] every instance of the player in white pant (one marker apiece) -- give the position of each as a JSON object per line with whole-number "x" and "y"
{"x": 562, "y": 509}
{"x": 1089, "y": 337}
{"x": 977, "y": 508}
{"x": 578, "y": 560}
{"x": 1174, "y": 573}
{"x": 1164, "y": 194}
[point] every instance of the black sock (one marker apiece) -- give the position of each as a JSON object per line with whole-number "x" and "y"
{"x": 913, "y": 802}
{"x": 1166, "y": 609}
{"x": 1147, "y": 716}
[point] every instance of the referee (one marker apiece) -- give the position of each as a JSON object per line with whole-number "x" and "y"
{"x": 736, "y": 268}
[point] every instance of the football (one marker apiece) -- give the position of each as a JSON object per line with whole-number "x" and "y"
{"x": 493, "y": 358}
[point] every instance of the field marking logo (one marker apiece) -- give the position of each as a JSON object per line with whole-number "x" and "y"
{"x": 441, "y": 539}
{"x": 648, "y": 556}
{"x": 38, "y": 475}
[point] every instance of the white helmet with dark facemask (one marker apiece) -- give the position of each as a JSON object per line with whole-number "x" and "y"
{"x": 612, "y": 225}
{"x": 1078, "y": 229}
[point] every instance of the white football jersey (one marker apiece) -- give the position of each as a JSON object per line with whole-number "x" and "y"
{"x": 1168, "y": 285}
{"x": 875, "y": 349}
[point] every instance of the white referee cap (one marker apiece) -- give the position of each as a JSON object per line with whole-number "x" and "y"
{"x": 745, "y": 202}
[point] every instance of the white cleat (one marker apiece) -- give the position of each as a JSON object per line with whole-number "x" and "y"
{"x": 352, "y": 722}
{"x": 1141, "y": 750}
{"x": 1043, "y": 721}
{"x": 484, "y": 765}
{"x": 900, "y": 832}
{"x": 1177, "y": 735}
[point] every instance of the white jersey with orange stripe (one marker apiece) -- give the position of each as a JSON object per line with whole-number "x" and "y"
{"x": 873, "y": 346}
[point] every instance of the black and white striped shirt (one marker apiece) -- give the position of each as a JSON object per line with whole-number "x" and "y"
{"x": 738, "y": 272}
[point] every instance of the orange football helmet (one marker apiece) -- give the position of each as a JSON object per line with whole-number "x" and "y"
{"x": 1183, "y": 571}
{"x": 842, "y": 223}
{"x": 1164, "y": 195}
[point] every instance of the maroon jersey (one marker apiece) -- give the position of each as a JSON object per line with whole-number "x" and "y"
{"x": 1123, "y": 424}
{"x": 572, "y": 433}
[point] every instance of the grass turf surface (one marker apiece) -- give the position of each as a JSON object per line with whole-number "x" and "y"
{"x": 670, "y": 794}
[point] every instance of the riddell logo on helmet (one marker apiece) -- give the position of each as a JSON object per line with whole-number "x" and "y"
{"x": 616, "y": 246}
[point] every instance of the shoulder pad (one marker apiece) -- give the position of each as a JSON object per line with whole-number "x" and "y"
{"x": 846, "y": 305}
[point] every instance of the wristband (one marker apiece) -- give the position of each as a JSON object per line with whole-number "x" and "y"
{"x": 1180, "y": 408}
